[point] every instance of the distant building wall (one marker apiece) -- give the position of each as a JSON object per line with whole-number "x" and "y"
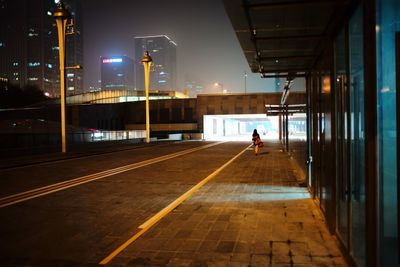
{"x": 165, "y": 114}
{"x": 241, "y": 104}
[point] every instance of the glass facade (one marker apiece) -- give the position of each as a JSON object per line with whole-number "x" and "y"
{"x": 357, "y": 136}
{"x": 342, "y": 139}
{"x": 163, "y": 72}
{"x": 117, "y": 73}
{"x": 387, "y": 25}
{"x": 350, "y": 137}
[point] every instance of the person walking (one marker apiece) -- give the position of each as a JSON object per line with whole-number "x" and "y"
{"x": 256, "y": 142}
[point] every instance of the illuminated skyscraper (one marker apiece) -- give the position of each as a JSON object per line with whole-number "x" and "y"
{"x": 29, "y": 45}
{"x": 193, "y": 85}
{"x": 163, "y": 51}
{"x": 117, "y": 73}
{"x": 74, "y": 47}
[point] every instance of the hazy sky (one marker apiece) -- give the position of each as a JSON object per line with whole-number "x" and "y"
{"x": 207, "y": 45}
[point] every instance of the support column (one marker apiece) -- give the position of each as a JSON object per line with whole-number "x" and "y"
{"x": 371, "y": 150}
{"x": 287, "y": 127}
{"x": 280, "y": 127}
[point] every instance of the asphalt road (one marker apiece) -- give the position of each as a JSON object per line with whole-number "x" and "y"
{"x": 82, "y": 224}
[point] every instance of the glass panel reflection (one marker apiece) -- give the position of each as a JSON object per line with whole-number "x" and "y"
{"x": 388, "y": 23}
{"x": 357, "y": 137}
{"x": 342, "y": 141}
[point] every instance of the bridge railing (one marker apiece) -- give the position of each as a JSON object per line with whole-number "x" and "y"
{"x": 10, "y": 141}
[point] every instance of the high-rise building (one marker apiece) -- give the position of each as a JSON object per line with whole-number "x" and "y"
{"x": 163, "y": 52}
{"x": 193, "y": 85}
{"x": 29, "y": 45}
{"x": 117, "y": 73}
{"x": 74, "y": 50}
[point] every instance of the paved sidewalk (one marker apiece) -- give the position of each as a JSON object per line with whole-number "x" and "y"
{"x": 252, "y": 214}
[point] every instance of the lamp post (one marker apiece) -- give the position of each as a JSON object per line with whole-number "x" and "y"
{"x": 61, "y": 15}
{"x": 146, "y": 64}
{"x": 222, "y": 86}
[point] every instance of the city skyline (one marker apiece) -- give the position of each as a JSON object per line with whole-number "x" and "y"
{"x": 206, "y": 43}
{"x": 207, "y": 47}
{"x": 29, "y": 46}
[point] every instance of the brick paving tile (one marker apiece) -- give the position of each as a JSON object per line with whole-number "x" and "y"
{"x": 253, "y": 213}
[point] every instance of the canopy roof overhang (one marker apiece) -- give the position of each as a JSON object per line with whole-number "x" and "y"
{"x": 284, "y": 38}
{"x": 274, "y": 110}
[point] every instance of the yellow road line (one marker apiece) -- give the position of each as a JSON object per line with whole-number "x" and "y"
{"x": 153, "y": 220}
{"x": 42, "y": 191}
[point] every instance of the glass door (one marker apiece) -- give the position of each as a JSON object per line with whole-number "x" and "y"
{"x": 357, "y": 138}
{"x": 398, "y": 143}
{"x": 341, "y": 100}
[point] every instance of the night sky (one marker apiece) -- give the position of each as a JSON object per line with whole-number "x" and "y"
{"x": 207, "y": 45}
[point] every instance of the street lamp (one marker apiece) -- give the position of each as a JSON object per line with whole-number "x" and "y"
{"x": 221, "y": 85}
{"x": 61, "y": 15}
{"x": 146, "y": 64}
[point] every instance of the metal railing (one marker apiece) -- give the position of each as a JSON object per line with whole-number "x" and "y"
{"x": 9, "y": 141}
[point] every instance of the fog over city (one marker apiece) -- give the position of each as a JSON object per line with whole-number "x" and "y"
{"x": 207, "y": 48}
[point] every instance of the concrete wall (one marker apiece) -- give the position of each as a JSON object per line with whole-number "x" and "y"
{"x": 241, "y": 104}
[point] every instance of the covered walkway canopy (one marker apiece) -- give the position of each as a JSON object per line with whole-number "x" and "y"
{"x": 283, "y": 38}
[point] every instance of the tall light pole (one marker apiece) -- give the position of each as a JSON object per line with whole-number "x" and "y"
{"x": 61, "y": 15}
{"x": 146, "y": 64}
{"x": 222, "y": 86}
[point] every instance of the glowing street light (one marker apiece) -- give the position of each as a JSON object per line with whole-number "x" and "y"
{"x": 61, "y": 15}
{"x": 146, "y": 64}
{"x": 221, "y": 85}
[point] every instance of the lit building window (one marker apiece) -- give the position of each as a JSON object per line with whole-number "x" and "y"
{"x": 112, "y": 60}
{"x": 33, "y": 79}
{"x": 2, "y": 44}
{"x": 70, "y": 75}
{"x": 49, "y": 66}
{"x": 32, "y": 32}
{"x": 55, "y": 48}
{"x": 71, "y": 88}
{"x": 15, "y": 64}
{"x": 34, "y": 64}
{"x": 49, "y": 13}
